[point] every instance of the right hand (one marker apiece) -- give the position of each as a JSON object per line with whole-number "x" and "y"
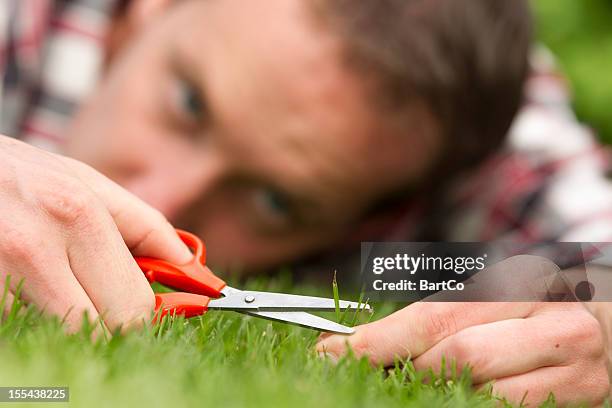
{"x": 71, "y": 235}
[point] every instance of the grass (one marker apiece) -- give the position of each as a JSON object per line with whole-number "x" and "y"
{"x": 221, "y": 359}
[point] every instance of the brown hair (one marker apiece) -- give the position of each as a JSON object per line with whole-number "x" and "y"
{"x": 465, "y": 60}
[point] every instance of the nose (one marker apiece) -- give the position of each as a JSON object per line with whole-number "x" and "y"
{"x": 173, "y": 188}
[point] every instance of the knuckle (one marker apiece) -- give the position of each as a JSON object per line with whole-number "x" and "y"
{"x": 23, "y": 247}
{"x": 69, "y": 202}
{"x": 587, "y": 335}
{"x": 464, "y": 351}
{"x": 17, "y": 244}
{"x": 460, "y": 349}
{"x": 438, "y": 322}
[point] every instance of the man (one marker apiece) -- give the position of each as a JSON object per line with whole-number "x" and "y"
{"x": 276, "y": 129}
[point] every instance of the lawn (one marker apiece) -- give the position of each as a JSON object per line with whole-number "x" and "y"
{"x": 221, "y": 359}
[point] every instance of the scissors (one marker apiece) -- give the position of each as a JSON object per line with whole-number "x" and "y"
{"x": 202, "y": 290}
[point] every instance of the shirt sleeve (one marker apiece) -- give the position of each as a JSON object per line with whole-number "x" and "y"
{"x": 52, "y": 57}
{"x": 550, "y": 181}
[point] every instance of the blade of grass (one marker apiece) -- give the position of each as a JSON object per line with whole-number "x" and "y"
{"x": 336, "y": 297}
{"x": 16, "y": 306}
{"x": 359, "y": 309}
{"x": 7, "y": 283}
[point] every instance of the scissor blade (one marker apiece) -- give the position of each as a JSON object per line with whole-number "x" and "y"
{"x": 270, "y": 301}
{"x": 305, "y": 320}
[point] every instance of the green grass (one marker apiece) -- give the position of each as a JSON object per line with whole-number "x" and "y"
{"x": 221, "y": 359}
{"x": 580, "y": 35}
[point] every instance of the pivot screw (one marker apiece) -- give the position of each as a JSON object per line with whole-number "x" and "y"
{"x": 249, "y": 298}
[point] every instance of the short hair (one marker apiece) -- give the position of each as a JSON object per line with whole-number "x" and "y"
{"x": 465, "y": 60}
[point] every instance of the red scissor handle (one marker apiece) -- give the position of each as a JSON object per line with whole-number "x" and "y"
{"x": 180, "y": 304}
{"x": 193, "y": 277}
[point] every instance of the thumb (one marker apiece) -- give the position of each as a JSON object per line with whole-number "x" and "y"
{"x": 413, "y": 330}
{"x": 381, "y": 341}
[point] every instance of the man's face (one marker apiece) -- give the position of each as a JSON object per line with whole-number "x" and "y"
{"x": 239, "y": 121}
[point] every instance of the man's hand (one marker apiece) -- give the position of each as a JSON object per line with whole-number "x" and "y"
{"x": 532, "y": 347}
{"x": 70, "y": 234}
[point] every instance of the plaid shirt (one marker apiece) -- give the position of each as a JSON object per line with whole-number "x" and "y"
{"x": 547, "y": 184}
{"x": 51, "y": 52}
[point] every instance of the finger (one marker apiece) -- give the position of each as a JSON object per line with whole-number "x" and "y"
{"x": 107, "y": 271}
{"x": 415, "y": 329}
{"x": 50, "y": 284}
{"x": 568, "y": 384}
{"x": 504, "y": 348}
{"x": 144, "y": 229}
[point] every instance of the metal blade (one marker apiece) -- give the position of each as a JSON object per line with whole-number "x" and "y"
{"x": 269, "y": 301}
{"x": 293, "y": 317}
{"x": 305, "y": 320}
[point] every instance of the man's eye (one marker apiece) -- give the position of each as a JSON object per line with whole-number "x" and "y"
{"x": 190, "y": 101}
{"x": 274, "y": 206}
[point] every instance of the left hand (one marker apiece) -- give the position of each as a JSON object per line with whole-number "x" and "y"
{"x": 525, "y": 347}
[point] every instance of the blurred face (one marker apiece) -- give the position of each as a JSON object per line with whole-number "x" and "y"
{"x": 239, "y": 121}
